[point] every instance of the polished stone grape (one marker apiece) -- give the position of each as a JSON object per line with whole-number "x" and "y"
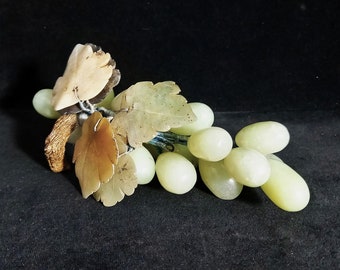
{"x": 286, "y": 188}
{"x": 218, "y": 180}
{"x": 266, "y": 137}
{"x": 42, "y": 104}
{"x": 175, "y": 173}
{"x": 211, "y": 144}
{"x": 247, "y": 166}
{"x": 184, "y": 151}
{"x": 204, "y": 119}
{"x": 144, "y": 163}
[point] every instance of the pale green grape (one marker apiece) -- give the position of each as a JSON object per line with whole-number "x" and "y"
{"x": 204, "y": 119}
{"x": 272, "y": 156}
{"x": 42, "y": 104}
{"x": 75, "y": 135}
{"x": 266, "y": 137}
{"x": 286, "y": 188}
{"x": 248, "y": 167}
{"x": 154, "y": 150}
{"x": 106, "y": 102}
{"x": 184, "y": 151}
{"x": 144, "y": 163}
{"x": 218, "y": 180}
{"x": 211, "y": 144}
{"x": 175, "y": 173}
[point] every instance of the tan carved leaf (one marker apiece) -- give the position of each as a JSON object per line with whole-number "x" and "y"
{"x": 95, "y": 154}
{"x": 122, "y": 183}
{"x": 88, "y": 71}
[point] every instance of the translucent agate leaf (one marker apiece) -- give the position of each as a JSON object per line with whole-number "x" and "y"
{"x": 146, "y": 108}
{"x": 122, "y": 183}
{"x": 95, "y": 154}
{"x": 87, "y": 72}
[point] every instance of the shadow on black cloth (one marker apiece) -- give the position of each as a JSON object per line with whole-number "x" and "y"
{"x": 31, "y": 129}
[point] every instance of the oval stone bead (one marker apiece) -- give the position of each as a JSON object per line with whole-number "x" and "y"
{"x": 266, "y": 137}
{"x": 204, "y": 119}
{"x": 286, "y": 188}
{"x": 42, "y": 104}
{"x": 184, "y": 151}
{"x": 247, "y": 166}
{"x": 144, "y": 163}
{"x": 175, "y": 173}
{"x": 212, "y": 144}
{"x": 218, "y": 180}
{"x": 272, "y": 156}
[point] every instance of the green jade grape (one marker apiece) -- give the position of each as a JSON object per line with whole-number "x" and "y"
{"x": 218, "y": 180}
{"x": 204, "y": 119}
{"x": 184, "y": 151}
{"x": 275, "y": 157}
{"x": 106, "y": 102}
{"x": 144, "y": 163}
{"x": 286, "y": 188}
{"x": 42, "y": 104}
{"x": 175, "y": 173}
{"x": 248, "y": 167}
{"x": 211, "y": 144}
{"x": 266, "y": 137}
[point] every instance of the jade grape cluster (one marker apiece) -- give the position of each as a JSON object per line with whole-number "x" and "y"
{"x": 200, "y": 147}
{"x": 225, "y": 169}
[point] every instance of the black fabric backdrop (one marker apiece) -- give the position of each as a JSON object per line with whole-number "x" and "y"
{"x": 248, "y": 60}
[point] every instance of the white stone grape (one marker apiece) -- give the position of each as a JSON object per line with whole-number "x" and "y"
{"x": 211, "y": 144}
{"x": 154, "y": 151}
{"x": 175, "y": 173}
{"x": 144, "y": 163}
{"x": 286, "y": 188}
{"x": 42, "y": 104}
{"x": 247, "y": 166}
{"x": 204, "y": 119}
{"x": 218, "y": 180}
{"x": 75, "y": 135}
{"x": 266, "y": 137}
{"x": 272, "y": 156}
{"x": 184, "y": 151}
{"x": 106, "y": 102}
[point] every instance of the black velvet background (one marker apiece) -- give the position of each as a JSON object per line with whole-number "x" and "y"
{"x": 248, "y": 60}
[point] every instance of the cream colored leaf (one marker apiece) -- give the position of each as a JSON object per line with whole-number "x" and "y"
{"x": 122, "y": 183}
{"x": 146, "y": 108}
{"x": 95, "y": 154}
{"x": 86, "y": 74}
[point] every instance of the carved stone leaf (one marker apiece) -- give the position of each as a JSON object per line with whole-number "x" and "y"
{"x": 95, "y": 154}
{"x": 145, "y": 108}
{"x": 88, "y": 71}
{"x": 122, "y": 183}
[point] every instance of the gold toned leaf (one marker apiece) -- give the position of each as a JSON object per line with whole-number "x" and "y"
{"x": 122, "y": 183}
{"x": 88, "y": 71}
{"x": 145, "y": 108}
{"x": 56, "y": 141}
{"x": 95, "y": 154}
